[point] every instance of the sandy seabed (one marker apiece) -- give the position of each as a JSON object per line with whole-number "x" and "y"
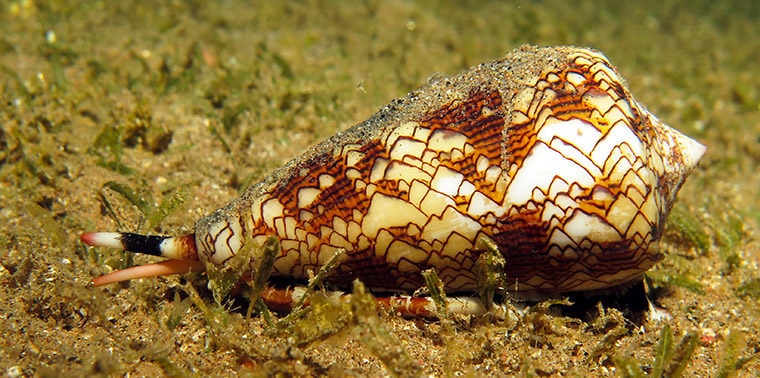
{"x": 186, "y": 103}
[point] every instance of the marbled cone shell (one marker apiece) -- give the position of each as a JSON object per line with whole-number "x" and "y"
{"x": 544, "y": 152}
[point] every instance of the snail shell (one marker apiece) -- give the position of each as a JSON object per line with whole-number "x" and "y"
{"x": 544, "y": 152}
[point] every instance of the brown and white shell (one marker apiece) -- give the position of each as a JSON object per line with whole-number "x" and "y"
{"x": 544, "y": 152}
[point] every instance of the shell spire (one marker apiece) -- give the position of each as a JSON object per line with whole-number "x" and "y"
{"x": 691, "y": 152}
{"x": 679, "y": 153}
{"x": 544, "y": 154}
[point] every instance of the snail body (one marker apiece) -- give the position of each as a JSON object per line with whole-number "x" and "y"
{"x": 544, "y": 154}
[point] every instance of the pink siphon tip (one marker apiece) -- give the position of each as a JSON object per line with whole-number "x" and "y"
{"x": 150, "y": 270}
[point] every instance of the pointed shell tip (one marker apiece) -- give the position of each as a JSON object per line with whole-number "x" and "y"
{"x": 691, "y": 150}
